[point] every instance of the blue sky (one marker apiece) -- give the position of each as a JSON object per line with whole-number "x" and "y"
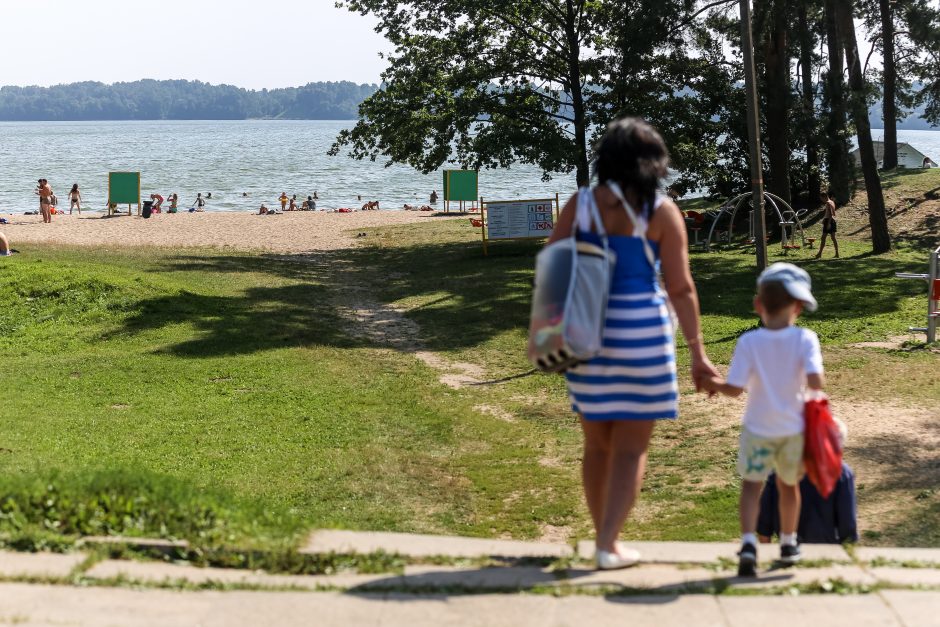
{"x": 249, "y": 43}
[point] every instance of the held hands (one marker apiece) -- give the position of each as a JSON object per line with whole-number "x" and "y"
{"x": 703, "y": 373}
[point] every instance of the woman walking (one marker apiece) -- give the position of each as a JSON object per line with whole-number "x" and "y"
{"x": 620, "y": 394}
{"x": 829, "y": 224}
{"x": 75, "y": 199}
{"x": 44, "y": 191}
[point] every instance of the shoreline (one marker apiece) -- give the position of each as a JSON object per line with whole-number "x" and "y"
{"x": 290, "y": 232}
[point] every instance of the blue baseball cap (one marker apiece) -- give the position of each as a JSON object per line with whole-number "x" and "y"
{"x": 794, "y": 279}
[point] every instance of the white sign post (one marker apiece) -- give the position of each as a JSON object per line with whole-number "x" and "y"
{"x": 518, "y": 219}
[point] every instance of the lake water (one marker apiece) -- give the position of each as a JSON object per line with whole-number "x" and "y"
{"x": 228, "y": 158}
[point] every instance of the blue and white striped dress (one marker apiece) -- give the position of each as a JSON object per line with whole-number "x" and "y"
{"x": 634, "y": 376}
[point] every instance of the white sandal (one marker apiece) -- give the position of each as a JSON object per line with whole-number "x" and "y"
{"x": 623, "y": 558}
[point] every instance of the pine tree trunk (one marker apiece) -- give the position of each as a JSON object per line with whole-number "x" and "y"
{"x": 837, "y": 150}
{"x": 889, "y": 111}
{"x": 577, "y": 95}
{"x": 813, "y": 184}
{"x": 877, "y": 217}
{"x": 777, "y": 64}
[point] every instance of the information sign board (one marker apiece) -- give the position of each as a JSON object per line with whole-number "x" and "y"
{"x": 520, "y": 219}
{"x": 517, "y": 219}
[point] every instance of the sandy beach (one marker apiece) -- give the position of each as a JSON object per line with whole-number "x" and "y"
{"x": 290, "y": 232}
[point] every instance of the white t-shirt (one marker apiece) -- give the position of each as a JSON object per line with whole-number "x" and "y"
{"x": 772, "y": 364}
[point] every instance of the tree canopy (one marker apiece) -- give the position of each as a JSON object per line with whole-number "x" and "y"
{"x": 180, "y": 100}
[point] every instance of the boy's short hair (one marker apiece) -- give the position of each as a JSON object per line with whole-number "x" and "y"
{"x": 773, "y": 295}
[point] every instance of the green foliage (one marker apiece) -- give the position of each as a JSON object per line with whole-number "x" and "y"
{"x": 127, "y": 502}
{"x": 180, "y": 100}
{"x": 491, "y": 84}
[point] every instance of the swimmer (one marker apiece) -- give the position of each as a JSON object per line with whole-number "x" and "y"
{"x": 316, "y": 196}
{"x": 434, "y": 197}
{"x": 244, "y": 194}
{"x": 75, "y": 199}
{"x": 208, "y": 195}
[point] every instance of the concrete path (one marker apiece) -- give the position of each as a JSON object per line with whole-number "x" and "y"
{"x": 42, "y": 605}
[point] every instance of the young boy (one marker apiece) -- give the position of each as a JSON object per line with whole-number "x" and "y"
{"x": 773, "y": 364}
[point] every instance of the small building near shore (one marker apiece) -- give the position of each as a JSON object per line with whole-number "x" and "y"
{"x": 908, "y": 156}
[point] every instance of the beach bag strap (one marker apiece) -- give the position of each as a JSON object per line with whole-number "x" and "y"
{"x": 639, "y": 225}
{"x": 587, "y": 213}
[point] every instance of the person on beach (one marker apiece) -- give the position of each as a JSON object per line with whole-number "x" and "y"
{"x": 829, "y": 224}
{"x": 199, "y": 204}
{"x": 293, "y": 204}
{"x": 621, "y": 393}
{"x": 5, "y": 250}
{"x": 75, "y": 199}
{"x": 310, "y": 204}
{"x": 174, "y": 203}
{"x": 44, "y": 191}
{"x": 283, "y": 200}
{"x": 262, "y": 210}
{"x": 157, "y": 202}
{"x": 775, "y": 364}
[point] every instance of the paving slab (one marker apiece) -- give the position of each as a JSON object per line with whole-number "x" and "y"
{"x": 661, "y": 578}
{"x": 894, "y": 554}
{"x": 928, "y": 577}
{"x": 162, "y": 572}
{"x": 30, "y": 606}
{"x": 915, "y": 609}
{"x": 711, "y": 552}
{"x": 827, "y": 610}
{"x": 416, "y": 545}
{"x": 38, "y": 564}
{"x": 781, "y": 577}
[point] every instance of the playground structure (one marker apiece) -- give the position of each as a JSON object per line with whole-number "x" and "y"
{"x": 789, "y": 221}
{"x": 933, "y": 295}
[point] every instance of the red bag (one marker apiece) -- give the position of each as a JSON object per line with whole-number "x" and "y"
{"x": 822, "y": 449}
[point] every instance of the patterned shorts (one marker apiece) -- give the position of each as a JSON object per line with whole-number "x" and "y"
{"x": 758, "y": 457}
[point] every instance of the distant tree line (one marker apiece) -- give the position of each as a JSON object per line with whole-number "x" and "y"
{"x": 181, "y": 100}
{"x": 489, "y": 84}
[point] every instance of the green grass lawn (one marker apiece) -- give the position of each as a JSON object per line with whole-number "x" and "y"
{"x": 223, "y": 398}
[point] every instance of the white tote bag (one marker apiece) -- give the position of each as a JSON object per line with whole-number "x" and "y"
{"x": 569, "y": 302}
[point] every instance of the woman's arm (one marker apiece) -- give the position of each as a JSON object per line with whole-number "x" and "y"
{"x": 674, "y": 253}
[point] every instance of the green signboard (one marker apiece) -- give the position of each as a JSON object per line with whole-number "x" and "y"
{"x": 124, "y": 188}
{"x": 461, "y": 185}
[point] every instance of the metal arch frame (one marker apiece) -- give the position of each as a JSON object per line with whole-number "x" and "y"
{"x": 735, "y": 203}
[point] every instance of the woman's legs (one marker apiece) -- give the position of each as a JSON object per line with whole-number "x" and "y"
{"x": 594, "y": 467}
{"x": 614, "y": 462}
{"x": 45, "y": 210}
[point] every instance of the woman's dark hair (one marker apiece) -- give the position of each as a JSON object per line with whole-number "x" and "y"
{"x": 74, "y": 187}
{"x": 632, "y": 154}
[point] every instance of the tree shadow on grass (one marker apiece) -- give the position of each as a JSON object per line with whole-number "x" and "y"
{"x": 458, "y": 298}
{"x": 260, "y": 318}
{"x": 851, "y": 287}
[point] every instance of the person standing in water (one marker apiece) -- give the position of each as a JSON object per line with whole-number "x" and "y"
{"x": 75, "y": 199}
{"x": 199, "y": 204}
{"x": 829, "y": 224}
{"x": 434, "y": 197}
